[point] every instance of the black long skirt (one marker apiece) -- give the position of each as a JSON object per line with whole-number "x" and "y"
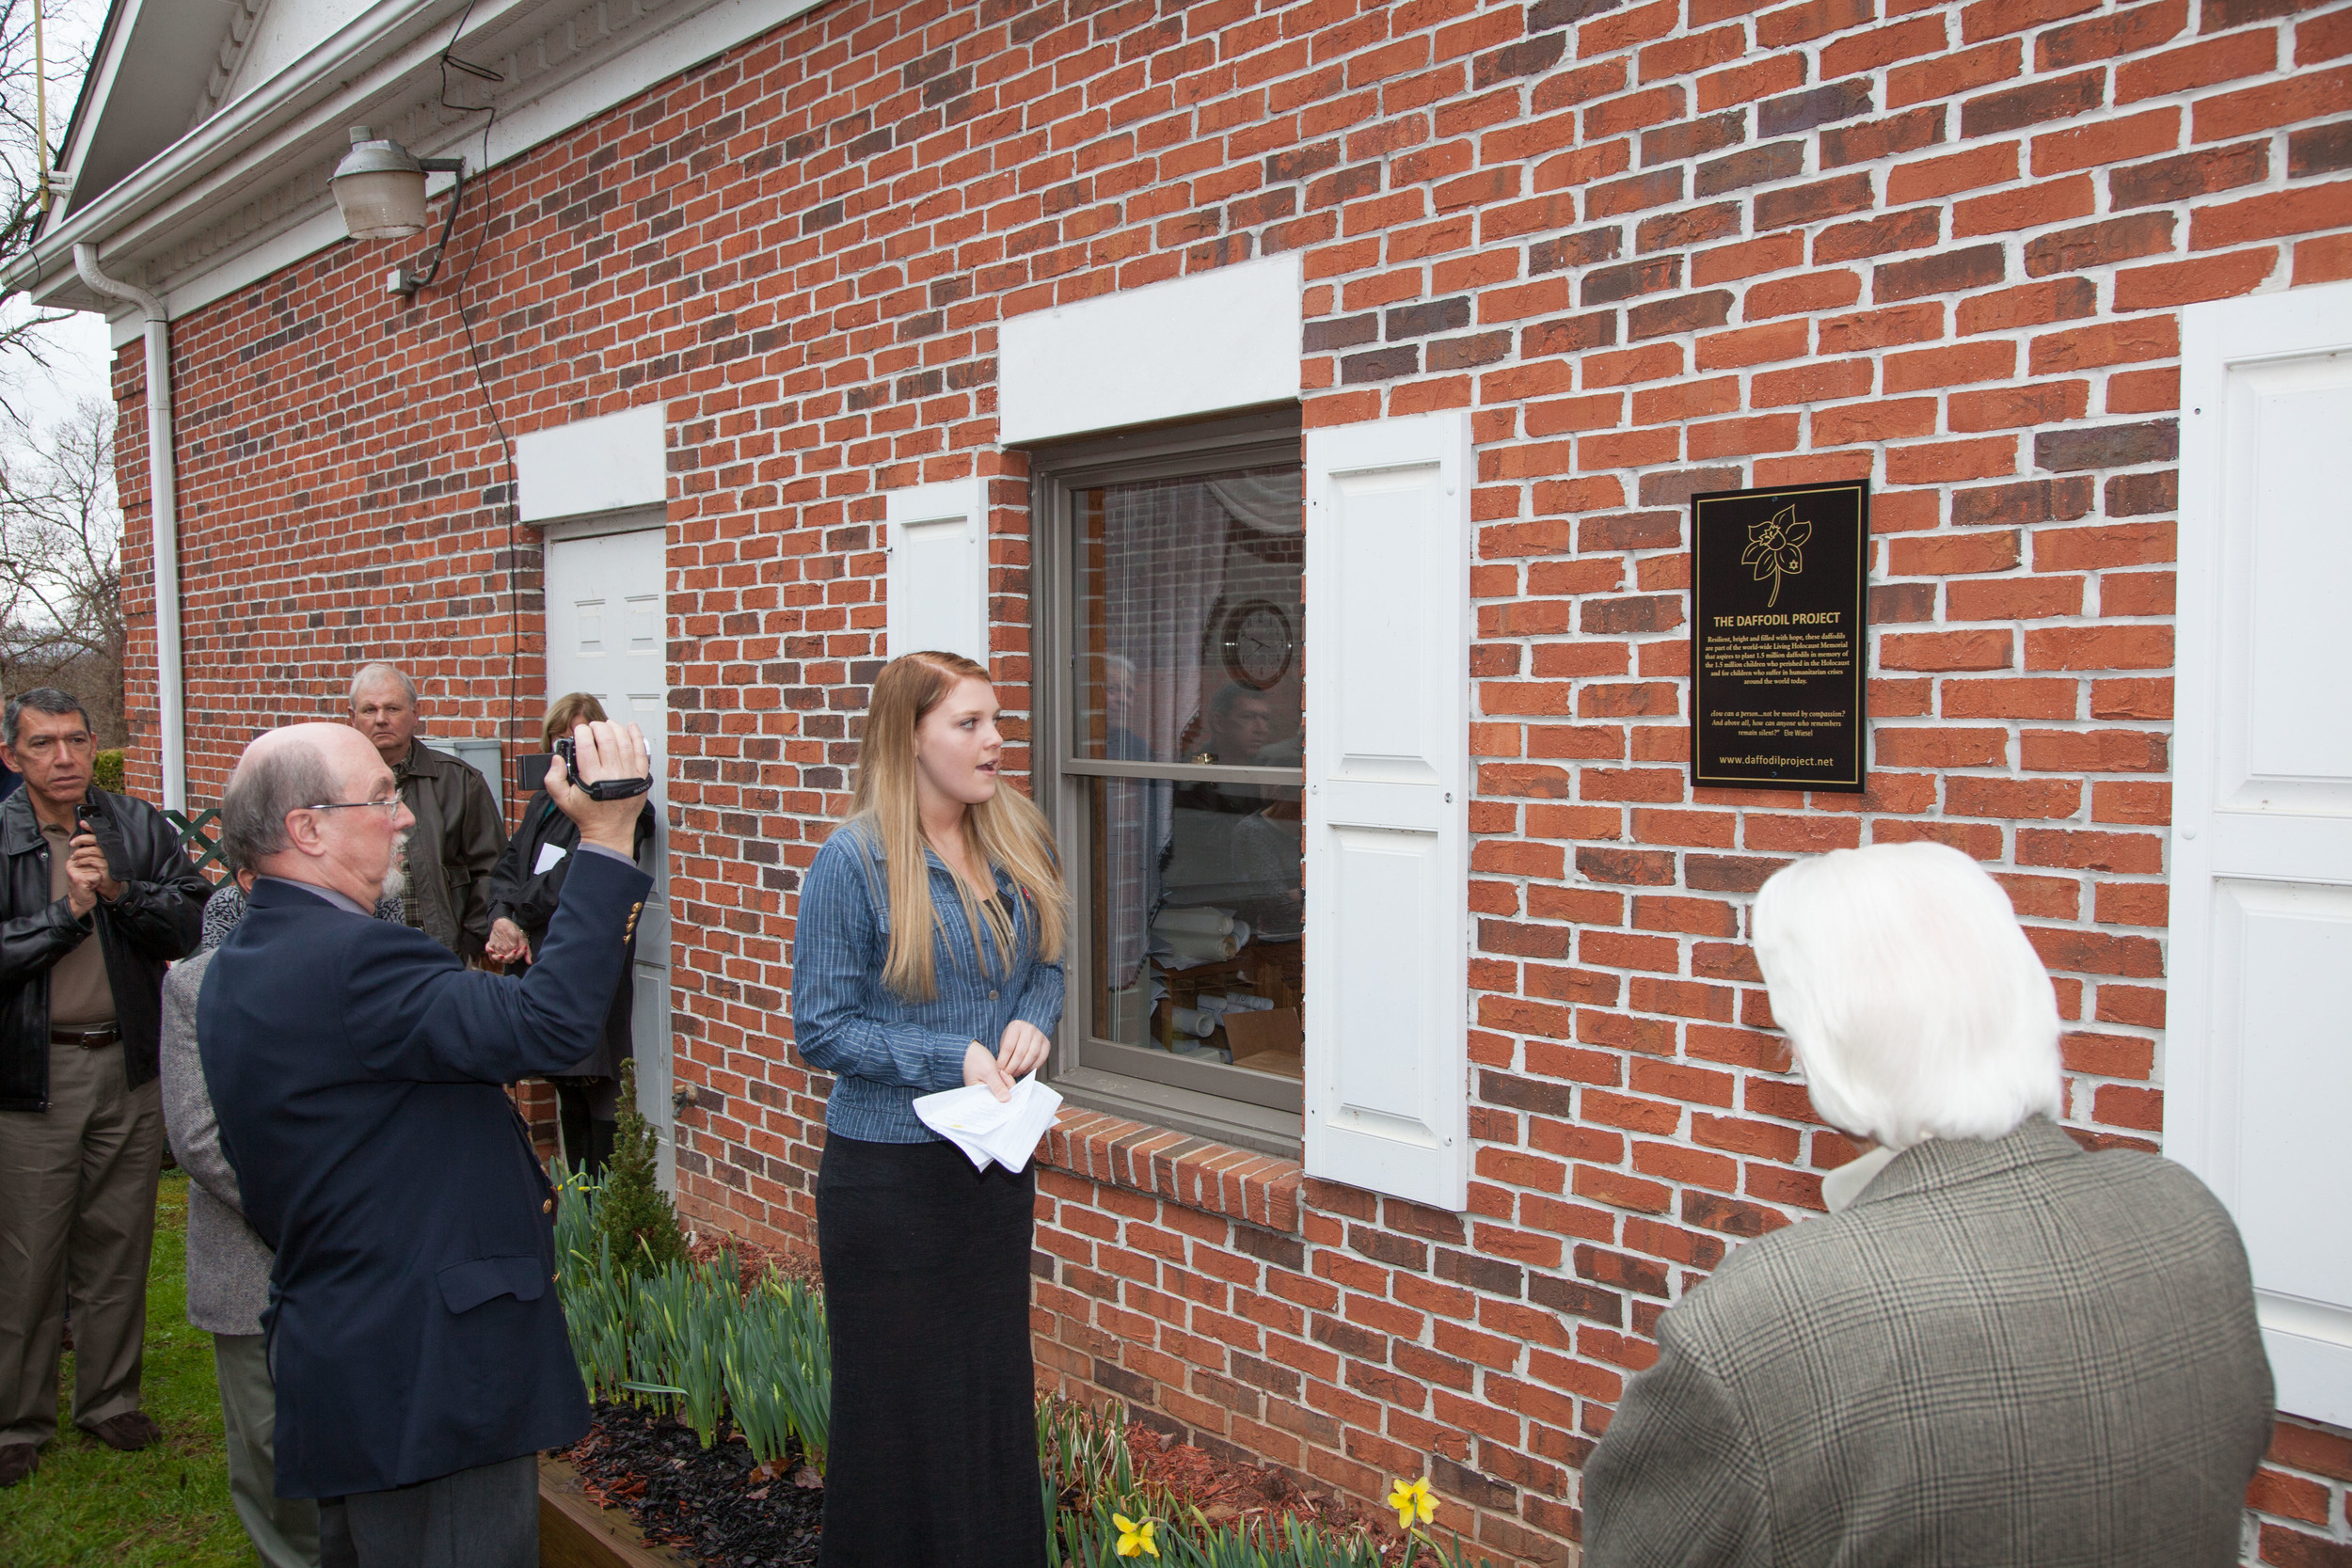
{"x": 933, "y": 1457}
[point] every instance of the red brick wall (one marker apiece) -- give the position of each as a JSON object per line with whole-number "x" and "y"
{"x": 1656, "y": 247}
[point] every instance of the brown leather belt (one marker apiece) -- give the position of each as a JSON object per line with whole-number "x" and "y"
{"x": 89, "y": 1039}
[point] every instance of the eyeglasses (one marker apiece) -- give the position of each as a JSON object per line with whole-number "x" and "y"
{"x": 390, "y": 808}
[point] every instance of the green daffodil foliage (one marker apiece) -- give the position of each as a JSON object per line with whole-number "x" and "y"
{"x": 1776, "y": 548}
{"x": 687, "y": 1339}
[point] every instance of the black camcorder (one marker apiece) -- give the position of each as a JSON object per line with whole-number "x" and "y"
{"x": 91, "y": 817}
{"x": 603, "y": 789}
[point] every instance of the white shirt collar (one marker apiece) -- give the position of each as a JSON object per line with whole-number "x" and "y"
{"x": 1841, "y": 1186}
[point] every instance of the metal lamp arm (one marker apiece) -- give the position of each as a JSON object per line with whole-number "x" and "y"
{"x": 405, "y": 283}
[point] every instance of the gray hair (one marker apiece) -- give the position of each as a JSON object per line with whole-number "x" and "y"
{"x": 381, "y": 670}
{"x": 262, "y": 791}
{"x": 1917, "y": 1005}
{"x": 41, "y": 699}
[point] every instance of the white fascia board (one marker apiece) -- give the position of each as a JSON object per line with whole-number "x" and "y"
{"x": 611, "y": 463}
{"x": 1225, "y": 338}
{"x": 201, "y": 171}
{"x": 370, "y": 74}
{"x": 677, "y": 48}
{"x": 242, "y": 269}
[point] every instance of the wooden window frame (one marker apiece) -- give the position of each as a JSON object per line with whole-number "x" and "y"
{"x": 1097, "y": 1074}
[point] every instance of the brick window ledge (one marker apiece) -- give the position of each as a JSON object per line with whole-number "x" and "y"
{"x": 1197, "y": 1173}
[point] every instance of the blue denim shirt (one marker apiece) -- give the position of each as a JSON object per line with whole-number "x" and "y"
{"x": 883, "y": 1049}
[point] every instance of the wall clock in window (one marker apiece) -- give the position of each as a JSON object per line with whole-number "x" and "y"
{"x": 1259, "y": 645}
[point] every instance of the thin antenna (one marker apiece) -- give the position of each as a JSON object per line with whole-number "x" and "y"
{"x": 40, "y": 108}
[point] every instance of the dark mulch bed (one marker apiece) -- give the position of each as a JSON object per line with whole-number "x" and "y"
{"x": 710, "y": 1505}
{"x": 704, "y": 1501}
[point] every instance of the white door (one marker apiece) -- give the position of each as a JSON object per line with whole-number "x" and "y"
{"x": 607, "y": 631}
{"x": 2259, "y": 1047}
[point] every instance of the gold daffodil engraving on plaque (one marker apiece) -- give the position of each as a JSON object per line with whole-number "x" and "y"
{"x": 1776, "y": 548}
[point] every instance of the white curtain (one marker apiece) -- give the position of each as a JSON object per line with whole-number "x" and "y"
{"x": 1270, "y": 503}
{"x": 1164, "y": 569}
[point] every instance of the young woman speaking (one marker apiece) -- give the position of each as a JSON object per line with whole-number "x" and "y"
{"x": 928, "y": 956}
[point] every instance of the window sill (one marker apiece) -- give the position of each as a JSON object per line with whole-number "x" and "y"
{"x": 1213, "y": 1177}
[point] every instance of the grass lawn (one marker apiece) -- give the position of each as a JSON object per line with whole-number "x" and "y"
{"x": 167, "y": 1506}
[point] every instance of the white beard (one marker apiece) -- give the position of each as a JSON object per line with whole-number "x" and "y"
{"x": 396, "y": 879}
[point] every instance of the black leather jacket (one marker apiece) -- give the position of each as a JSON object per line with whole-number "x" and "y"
{"x": 156, "y": 920}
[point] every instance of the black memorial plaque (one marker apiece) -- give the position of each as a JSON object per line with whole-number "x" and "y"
{"x": 1779, "y": 637}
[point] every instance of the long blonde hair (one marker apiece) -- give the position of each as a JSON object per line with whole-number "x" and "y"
{"x": 1007, "y": 830}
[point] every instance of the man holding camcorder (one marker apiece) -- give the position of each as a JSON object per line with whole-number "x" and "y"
{"x": 96, "y": 898}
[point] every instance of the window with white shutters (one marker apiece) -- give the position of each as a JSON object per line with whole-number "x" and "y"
{"x": 1172, "y": 661}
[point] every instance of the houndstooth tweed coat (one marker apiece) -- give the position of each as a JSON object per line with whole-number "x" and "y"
{"x": 2005, "y": 1351}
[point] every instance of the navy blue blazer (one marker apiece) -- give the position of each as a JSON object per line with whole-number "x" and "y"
{"x": 355, "y": 1065}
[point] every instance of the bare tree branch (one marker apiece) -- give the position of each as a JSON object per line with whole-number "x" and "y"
{"x": 61, "y": 620}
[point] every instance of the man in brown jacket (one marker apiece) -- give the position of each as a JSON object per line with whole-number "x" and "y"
{"x": 458, "y": 837}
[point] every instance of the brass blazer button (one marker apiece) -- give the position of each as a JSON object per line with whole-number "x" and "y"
{"x": 547, "y": 1205}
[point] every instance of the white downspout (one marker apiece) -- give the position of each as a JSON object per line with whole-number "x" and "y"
{"x": 164, "y": 509}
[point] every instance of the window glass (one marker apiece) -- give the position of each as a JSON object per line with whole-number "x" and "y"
{"x": 1196, "y": 946}
{"x": 1188, "y": 628}
{"x": 1188, "y": 643}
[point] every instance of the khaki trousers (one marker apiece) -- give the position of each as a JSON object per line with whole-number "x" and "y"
{"x": 77, "y": 1220}
{"x": 284, "y": 1531}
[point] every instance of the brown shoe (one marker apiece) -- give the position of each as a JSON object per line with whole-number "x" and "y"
{"x": 130, "y": 1431}
{"x": 17, "y": 1460}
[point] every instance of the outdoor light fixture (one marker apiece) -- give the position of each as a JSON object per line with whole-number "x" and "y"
{"x": 379, "y": 187}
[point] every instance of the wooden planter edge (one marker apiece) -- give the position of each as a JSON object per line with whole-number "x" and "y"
{"x": 575, "y": 1533}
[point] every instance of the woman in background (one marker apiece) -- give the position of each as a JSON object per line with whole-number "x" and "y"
{"x": 523, "y": 890}
{"x": 927, "y": 956}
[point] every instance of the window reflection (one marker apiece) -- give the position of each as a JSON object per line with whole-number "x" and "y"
{"x": 1189, "y": 635}
{"x": 1186, "y": 587}
{"x": 1203, "y": 930}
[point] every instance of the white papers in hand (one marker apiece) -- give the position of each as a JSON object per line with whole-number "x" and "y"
{"x": 550, "y": 854}
{"x": 989, "y": 1130}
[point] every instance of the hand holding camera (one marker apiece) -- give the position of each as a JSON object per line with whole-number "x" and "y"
{"x": 91, "y": 873}
{"x": 600, "y": 770}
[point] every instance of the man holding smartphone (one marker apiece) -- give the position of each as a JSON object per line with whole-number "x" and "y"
{"x": 98, "y": 897}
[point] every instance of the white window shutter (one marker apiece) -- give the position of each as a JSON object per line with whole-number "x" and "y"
{"x": 1387, "y": 844}
{"x": 2256, "y": 1073}
{"x": 936, "y": 595}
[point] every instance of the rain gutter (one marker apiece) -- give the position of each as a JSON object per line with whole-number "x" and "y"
{"x": 164, "y": 513}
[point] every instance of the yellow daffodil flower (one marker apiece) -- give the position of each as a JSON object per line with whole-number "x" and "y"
{"x": 1413, "y": 1500}
{"x": 1134, "y": 1538}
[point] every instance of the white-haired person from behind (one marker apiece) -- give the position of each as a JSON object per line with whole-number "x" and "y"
{"x": 1997, "y": 1348}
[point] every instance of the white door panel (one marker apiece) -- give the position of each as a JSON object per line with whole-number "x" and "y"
{"x": 606, "y": 635}
{"x": 2258, "y": 1056}
{"x": 2289, "y": 452}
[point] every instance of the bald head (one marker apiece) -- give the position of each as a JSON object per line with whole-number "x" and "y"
{"x": 270, "y": 824}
